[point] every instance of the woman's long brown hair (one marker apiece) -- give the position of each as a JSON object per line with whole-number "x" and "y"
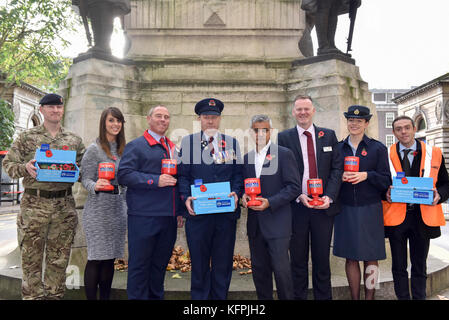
{"x": 120, "y": 139}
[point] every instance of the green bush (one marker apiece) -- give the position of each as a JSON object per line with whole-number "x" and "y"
{"x": 6, "y": 125}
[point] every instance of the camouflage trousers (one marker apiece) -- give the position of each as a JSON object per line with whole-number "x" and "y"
{"x": 45, "y": 226}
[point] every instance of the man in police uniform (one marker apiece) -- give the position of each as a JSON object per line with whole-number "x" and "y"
{"x": 209, "y": 156}
{"x": 47, "y": 218}
{"x": 413, "y": 223}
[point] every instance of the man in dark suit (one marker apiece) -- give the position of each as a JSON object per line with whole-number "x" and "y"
{"x": 413, "y": 223}
{"x": 207, "y": 157}
{"x": 317, "y": 157}
{"x": 269, "y": 224}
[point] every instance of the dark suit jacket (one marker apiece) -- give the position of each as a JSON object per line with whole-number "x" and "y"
{"x": 196, "y": 163}
{"x": 329, "y": 163}
{"x": 280, "y": 184}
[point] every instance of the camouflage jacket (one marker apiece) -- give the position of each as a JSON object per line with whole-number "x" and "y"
{"x": 24, "y": 148}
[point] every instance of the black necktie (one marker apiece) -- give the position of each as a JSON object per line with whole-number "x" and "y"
{"x": 406, "y": 163}
{"x": 212, "y": 151}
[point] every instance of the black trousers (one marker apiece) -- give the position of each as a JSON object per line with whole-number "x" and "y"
{"x": 314, "y": 227}
{"x": 270, "y": 256}
{"x": 419, "y": 249}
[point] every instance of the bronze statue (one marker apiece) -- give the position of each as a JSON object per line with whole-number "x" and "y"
{"x": 101, "y": 14}
{"x": 323, "y": 15}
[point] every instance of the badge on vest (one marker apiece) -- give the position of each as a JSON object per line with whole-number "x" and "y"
{"x": 327, "y": 149}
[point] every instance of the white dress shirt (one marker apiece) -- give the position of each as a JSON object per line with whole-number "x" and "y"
{"x": 260, "y": 158}
{"x": 305, "y": 159}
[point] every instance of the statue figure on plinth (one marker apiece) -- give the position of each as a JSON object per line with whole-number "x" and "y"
{"x": 101, "y": 14}
{"x": 323, "y": 15}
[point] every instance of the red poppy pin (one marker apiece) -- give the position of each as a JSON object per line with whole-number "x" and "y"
{"x": 320, "y": 134}
{"x": 364, "y": 153}
{"x": 415, "y": 153}
{"x": 65, "y": 148}
{"x": 203, "y": 188}
{"x": 269, "y": 157}
{"x": 114, "y": 158}
{"x": 49, "y": 154}
{"x": 223, "y": 144}
{"x": 404, "y": 180}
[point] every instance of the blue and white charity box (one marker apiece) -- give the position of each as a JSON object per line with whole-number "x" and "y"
{"x": 412, "y": 190}
{"x": 55, "y": 165}
{"x": 212, "y": 197}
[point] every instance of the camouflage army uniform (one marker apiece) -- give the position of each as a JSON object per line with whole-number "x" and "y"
{"x": 44, "y": 224}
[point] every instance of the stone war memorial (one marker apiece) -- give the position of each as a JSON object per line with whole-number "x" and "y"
{"x": 244, "y": 52}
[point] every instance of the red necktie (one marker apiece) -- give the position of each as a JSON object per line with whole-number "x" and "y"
{"x": 212, "y": 151}
{"x": 311, "y": 156}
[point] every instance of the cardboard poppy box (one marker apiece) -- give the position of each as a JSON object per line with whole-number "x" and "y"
{"x": 212, "y": 197}
{"x": 55, "y": 165}
{"x": 412, "y": 190}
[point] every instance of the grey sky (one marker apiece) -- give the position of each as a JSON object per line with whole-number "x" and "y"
{"x": 397, "y": 43}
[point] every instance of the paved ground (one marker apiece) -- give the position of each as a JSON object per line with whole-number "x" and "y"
{"x": 8, "y": 241}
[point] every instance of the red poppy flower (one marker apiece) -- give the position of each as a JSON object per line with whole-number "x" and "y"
{"x": 49, "y": 154}
{"x": 404, "y": 180}
{"x": 269, "y": 157}
{"x": 203, "y": 188}
{"x": 66, "y": 166}
{"x": 65, "y": 147}
{"x": 415, "y": 153}
{"x": 114, "y": 158}
{"x": 364, "y": 153}
{"x": 223, "y": 144}
{"x": 320, "y": 134}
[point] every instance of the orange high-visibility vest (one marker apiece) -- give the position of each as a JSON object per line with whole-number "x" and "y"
{"x": 394, "y": 213}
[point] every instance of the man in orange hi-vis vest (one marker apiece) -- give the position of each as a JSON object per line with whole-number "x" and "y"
{"x": 413, "y": 222}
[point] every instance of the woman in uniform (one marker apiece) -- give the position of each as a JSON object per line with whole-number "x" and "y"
{"x": 359, "y": 229}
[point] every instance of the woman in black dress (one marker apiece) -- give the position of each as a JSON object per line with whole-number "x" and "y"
{"x": 359, "y": 228}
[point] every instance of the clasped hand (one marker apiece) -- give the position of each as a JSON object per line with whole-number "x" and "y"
{"x": 264, "y": 203}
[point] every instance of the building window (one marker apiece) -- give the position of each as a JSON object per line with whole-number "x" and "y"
{"x": 389, "y": 140}
{"x": 389, "y": 97}
{"x": 421, "y": 124}
{"x": 379, "y": 97}
{"x": 389, "y": 117}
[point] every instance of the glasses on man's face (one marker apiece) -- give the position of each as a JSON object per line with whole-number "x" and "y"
{"x": 260, "y": 130}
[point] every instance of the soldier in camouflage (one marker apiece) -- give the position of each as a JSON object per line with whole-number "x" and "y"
{"x": 47, "y": 218}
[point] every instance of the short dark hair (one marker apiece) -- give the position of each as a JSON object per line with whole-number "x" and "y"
{"x": 403, "y": 118}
